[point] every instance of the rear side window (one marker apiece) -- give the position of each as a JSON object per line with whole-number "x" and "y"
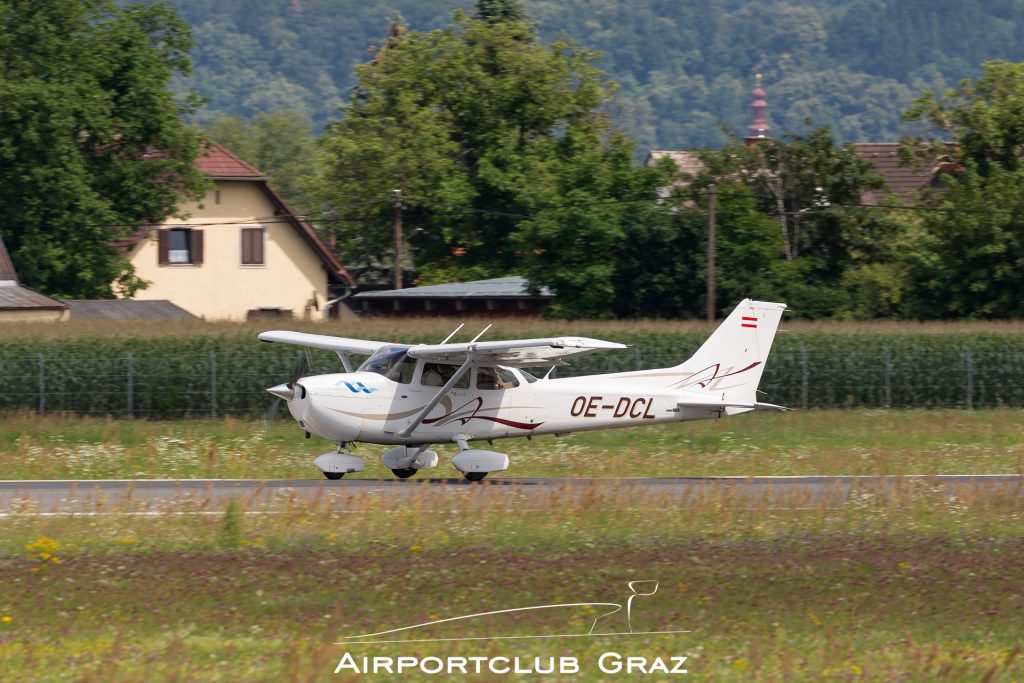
{"x": 493, "y": 379}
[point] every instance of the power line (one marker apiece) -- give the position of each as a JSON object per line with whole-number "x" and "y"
{"x": 330, "y": 217}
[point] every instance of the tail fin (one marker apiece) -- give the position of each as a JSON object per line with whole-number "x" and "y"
{"x": 728, "y": 367}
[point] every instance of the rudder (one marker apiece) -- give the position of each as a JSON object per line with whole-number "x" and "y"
{"x": 730, "y": 363}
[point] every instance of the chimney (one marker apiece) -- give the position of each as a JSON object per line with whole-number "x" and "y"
{"x": 758, "y": 128}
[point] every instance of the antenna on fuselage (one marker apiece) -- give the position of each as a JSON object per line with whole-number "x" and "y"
{"x": 454, "y": 332}
{"x": 480, "y": 335}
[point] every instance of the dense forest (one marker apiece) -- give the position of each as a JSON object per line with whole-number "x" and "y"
{"x": 685, "y": 67}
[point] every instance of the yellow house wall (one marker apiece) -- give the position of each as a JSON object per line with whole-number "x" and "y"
{"x": 31, "y": 316}
{"x": 221, "y": 288}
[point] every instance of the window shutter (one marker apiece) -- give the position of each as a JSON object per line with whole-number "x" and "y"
{"x": 246, "y": 248}
{"x": 163, "y": 242}
{"x": 252, "y": 246}
{"x": 197, "y": 246}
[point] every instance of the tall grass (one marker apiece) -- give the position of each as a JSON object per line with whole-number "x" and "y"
{"x": 854, "y": 442}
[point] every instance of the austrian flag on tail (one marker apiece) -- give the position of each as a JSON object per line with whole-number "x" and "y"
{"x": 749, "y": 322}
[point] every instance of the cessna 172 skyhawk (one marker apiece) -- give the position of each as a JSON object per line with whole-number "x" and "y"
{"x": 413, "y": 396}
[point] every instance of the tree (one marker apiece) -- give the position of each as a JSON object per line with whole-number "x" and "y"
{"x": 975, "y": 264}
{"x": 598, "y": 232}
{"x": 812, "y": 190}
{"x": 91, "y": 143}
{"x": 498, "y": 11}
{"x": 481, "y": 127}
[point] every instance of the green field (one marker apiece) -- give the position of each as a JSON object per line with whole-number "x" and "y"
{"x": 798, "y": 442}
{"x": 909, "y": 583}
{"x": 913, "y": 586}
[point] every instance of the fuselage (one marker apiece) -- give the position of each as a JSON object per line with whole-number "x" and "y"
{"x": 370, "y": 407}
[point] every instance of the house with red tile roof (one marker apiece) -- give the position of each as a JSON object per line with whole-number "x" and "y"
{"x": 903, "y": 181}
{"x": 241, "y": 253}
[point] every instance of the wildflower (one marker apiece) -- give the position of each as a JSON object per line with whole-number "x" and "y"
{"x": 681, "y": 587}
{"x": 6, "y": 619}
{"x": 43, "y": 550}
{"x": 814, "y": 618}
{"x": 415, "y": 549}
{"x": 741, "y": 664}
{"x": 904, "y": 567}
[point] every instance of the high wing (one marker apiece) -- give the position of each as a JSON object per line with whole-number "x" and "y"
{"x": 521, "y": 353}
{"x": 322, "y": 341}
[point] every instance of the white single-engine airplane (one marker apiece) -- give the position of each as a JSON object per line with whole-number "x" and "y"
{"x": 414, "y": 396}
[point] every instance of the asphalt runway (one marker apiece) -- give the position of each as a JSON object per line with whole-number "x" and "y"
{"x": 91, "y": 496}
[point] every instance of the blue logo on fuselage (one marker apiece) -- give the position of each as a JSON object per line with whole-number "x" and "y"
{"x": 357, "y": 387}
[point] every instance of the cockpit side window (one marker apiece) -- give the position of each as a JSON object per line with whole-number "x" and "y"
{"x": 391, "y": 362}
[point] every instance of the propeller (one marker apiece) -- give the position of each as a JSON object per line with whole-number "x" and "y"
{"x": 286, "y": 391}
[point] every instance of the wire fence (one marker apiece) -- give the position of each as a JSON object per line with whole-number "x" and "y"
{"x": 816, "y": 372}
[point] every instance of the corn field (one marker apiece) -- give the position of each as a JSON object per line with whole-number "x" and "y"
{"x": 213, "y": 376}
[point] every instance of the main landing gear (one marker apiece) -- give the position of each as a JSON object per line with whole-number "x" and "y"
{"x": 405, "y": 461}
{"x": 475, "y": 463}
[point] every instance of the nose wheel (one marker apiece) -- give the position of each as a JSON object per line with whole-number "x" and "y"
{"x": 404, "y": 472}
{"x": 474, "y": 476}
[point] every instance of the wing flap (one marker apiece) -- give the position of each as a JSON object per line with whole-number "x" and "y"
{"x": 514, "y": 352}
{"x": 322, "y": 341}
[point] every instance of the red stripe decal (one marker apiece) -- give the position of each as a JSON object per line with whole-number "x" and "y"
{"x": 749, "y": 318}
{"x": 748, "y": 325}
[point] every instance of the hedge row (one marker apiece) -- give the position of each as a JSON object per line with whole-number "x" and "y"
{"x": 207, "y": 376}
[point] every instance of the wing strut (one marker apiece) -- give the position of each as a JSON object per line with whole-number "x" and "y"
{"x": 416, "y": 421}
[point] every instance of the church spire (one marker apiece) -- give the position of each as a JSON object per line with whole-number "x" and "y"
{"x": 758, "y": 128}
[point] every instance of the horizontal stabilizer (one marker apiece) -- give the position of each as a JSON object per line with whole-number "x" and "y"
{"x": 711, "y": 403}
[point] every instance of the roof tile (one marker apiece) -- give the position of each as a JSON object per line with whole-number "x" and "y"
{"x": 217, "y": 162}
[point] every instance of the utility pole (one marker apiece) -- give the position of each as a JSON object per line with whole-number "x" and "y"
{"x": 780, "y": 201}
{"x": 711, "y": 253}
{"x": 396, "y": 198}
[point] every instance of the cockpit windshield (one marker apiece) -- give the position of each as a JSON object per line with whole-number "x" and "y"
{"x": 387, "y": 361}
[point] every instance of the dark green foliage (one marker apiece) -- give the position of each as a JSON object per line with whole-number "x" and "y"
{"x": 972, "y": 263}
{"x": 494, "y": 11}
{"x": 685, "y": 65}
{"x": 85, "y": 96}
